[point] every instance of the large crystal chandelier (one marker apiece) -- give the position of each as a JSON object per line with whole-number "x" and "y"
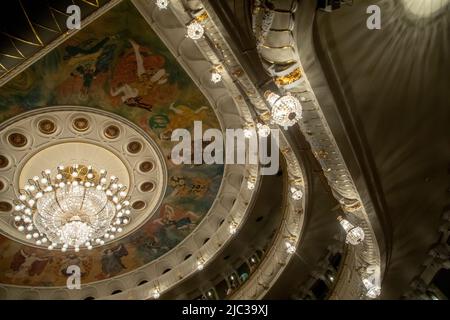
{"x": 355, "y": 235}
{"x": 77, "y": 207}
{"x": 286, "y": 110}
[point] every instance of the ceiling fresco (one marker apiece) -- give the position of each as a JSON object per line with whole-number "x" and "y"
{"x": 117, "y": 64}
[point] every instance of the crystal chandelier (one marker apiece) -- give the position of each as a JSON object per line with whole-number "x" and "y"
{"x": 78, "y": 207}
{"x": 215, "y": 77}
{"x": 286, "y": 110}
{"x": 195, "y": 30}
{"x": 263, "y": 130}
{"x": 373, "y": 290}
{"x": 290, "y": 248}
{"x": 296, "y": 193}
{"x": 248, "y": 130}
{"x": 162, "y": 4}
{"x": 355, "y": 235}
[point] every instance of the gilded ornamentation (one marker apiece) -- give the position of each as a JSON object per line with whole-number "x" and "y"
{"x": 112, "y": 132}
{"x": 202, "y": 17}
{"x": 47, "y": 126}
{"x": 134, "y": 147}
{"x": 5, "y": 206}
{"x": 146, "y": 166}
{"x": 81, "y": 124}
{"x": 138, "y": 205}
{"x": 3, "y": 161}
{"x": 17, "y": 140}
{"x": 289, "y": 78}
{"x": 147, "y": 186}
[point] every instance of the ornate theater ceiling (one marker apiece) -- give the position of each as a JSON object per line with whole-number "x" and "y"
{"x": 119, "y": 67}
{"x": 28, "y": 27}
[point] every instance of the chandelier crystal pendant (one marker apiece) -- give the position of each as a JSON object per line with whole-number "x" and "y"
{"x": 76, "y": 208}
{"x": 355, "y": 235}
{"x": 286, "y": 110}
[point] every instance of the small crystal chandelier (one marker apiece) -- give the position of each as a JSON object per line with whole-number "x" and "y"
{"x": 263, "y": 130}
{"x": 156, "y": 294}
{"x": 78, "y": 207}
{"x": 200, "y": 264}
{"x": 355, "y": 235}
{"x": 286, "y": 110}
{"x": 296, "y": 193}
{"x": 216, "y": 77}
{"x": 251, "y": 182}
{"x": 233, "y": 227}
{"x": 290, "y": 248}
{"x": 216, "y": 73}
{"x": 373, "y": 290}
{"x": 195, "y": 30}
{"x": 162, "y": 4}
{"x": 249, "y": 130}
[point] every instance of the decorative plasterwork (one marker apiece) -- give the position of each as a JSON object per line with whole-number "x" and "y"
{"x": 231, "y": 206}
{"x": 68, "y": 144}
{"x": 43, "y": 35}
{"x": 314, "y": 126}
{"x": 234, "y": 200}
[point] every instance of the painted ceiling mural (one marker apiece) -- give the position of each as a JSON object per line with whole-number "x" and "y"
{"x": 118, "y": 64}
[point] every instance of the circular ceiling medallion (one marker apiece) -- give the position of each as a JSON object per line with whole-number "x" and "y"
{"x": 138, "y": 205}
{"x": 5, "y": 206}
{"x": 134, "y": 147}
{"x": 111, "y": 132}
{"x": 47, "y": 126}
{"x": 146, "y": 166}
{"x": 68, "y": 148}
{"x": 3, "y": 161}
{"x": 80, "y": 124}
{"x": 17, "y": 140}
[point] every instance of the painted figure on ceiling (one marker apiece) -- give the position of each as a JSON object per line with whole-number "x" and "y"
{"x": 28, "y": 264}
{"x": 178, "y": 184}
{"x": 111, "y": 260}
{"x": 137, "y": 89}
{"x": 200, "y": 187}
{"x": 83, "y": 262}
{"x": 90, "y": 60}
{"x": 183, "y": 117}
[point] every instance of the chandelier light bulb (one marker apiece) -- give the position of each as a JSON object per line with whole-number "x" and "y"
{"x": 162, "y": 4}
{"x": 195, "y": 30}
{"x": 71, "y": 211}
{"x": 286, "y": 110}
{"x": 200, "y": 265}
{"x": 156, "y": 294}
{"x": 355, "y": 235}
